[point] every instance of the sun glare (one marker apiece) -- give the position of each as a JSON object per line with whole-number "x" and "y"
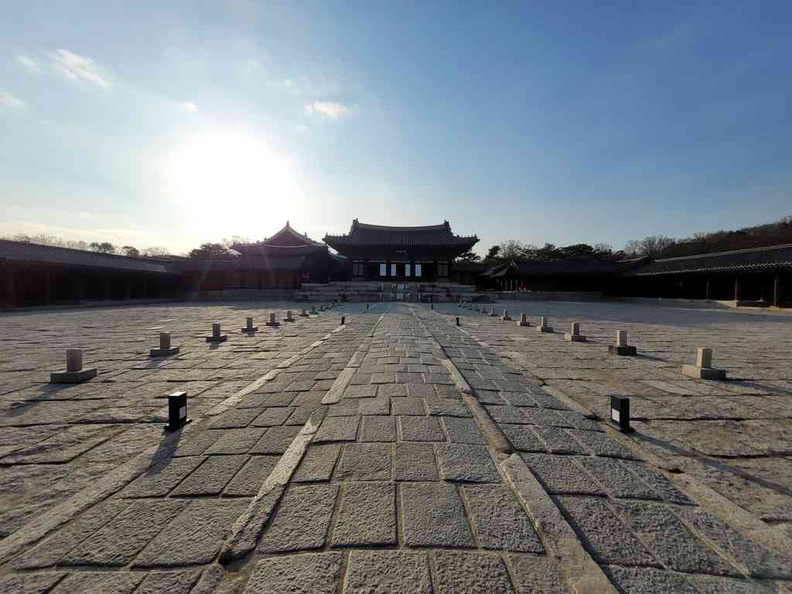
{"x": 232, "y": 183}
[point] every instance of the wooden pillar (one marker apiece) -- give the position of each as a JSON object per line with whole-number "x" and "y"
{"x": 48, "y": 288}
{"x": 127, "y": 288}
{"x": 736, "y": 289}
{"x": 777, "y": 290}
{"x": 707, "y": 289}
{"x": 10, "y": 287}
{"x": 106, "y": 289}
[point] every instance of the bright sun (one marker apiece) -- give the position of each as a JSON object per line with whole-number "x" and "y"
{"x": 233, "y": 183}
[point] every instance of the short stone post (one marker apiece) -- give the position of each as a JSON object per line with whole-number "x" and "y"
{"x": 492, "y": 312}
{"x": 703, "y": 368}
{"x": 165, "y": 349}
{"x": 74, "y": 373}
{"x": 216, "y": 334}
{"x": 313, "y": 311}
{"x": 574, "y": 334}
{"x": 289, "y": 317}
{"x": 304, "y": 314}
{"x": 621, "y": 347}
{"x": 543, "y": 327}
{"x": 523, "y": 320}
{"x": 249, "y": 327}
{"x": 273, "y": 323}
{"x": 505, "y": 317}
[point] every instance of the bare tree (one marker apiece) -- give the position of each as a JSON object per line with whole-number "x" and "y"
{"x": 648, "y": 246}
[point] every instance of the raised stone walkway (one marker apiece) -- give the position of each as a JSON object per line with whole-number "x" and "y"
{"x": 395, "y": 453}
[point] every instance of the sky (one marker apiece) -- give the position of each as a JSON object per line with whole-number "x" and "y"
{"x": 176, "y": 123}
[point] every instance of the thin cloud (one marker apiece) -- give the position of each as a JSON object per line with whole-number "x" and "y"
{"x": 329, "y": 109}
{"x": 8, "y": 100}
{"x": 27, "y": 64}
{"x": 190, "y": 106}
{"x": 76, "y": 67}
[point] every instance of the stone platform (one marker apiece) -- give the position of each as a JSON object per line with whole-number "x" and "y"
{"x": 395, "y": 453}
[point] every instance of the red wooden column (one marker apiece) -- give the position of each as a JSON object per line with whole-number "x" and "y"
{"x": 777, "y": 290}
{"x": 707, "y": 290}
{"x": 736, "y": 288}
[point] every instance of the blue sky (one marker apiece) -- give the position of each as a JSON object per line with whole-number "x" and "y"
{"x": 553, "y": 121}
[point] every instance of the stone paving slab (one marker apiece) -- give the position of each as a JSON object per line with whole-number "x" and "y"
{"x": 405, "y": 484}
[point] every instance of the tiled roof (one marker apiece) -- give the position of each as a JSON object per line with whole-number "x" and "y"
{"x": 753, "y": 260}
{"x": 285, "y": 238}
{"x": 560, "y": 267}
{"x": 362, "y": 234}
{"x": 19, "y": 251}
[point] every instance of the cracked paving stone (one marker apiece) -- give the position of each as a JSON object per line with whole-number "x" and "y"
{"x": 317, "y": 464}
{"x": 247, "y": 481}
{"x": 365, "y": 462}
{"x": 302, "y": 520}
{"x": 210, "y": 477}
{"x": 275, "y": 441}
{"x": 367, "y": 515}
{"x": 388, "y": 572}
{"x": 671, "y": 541}
{"x": 536, "y": 574}
{"x": 194, "y": 536}
{"x": 499, "y": 521}
{"x": 660, "y": 483}
{"x": 434, "y": 516}
{"x": 558, "y": 441}
{"x": 478, "y": 573}
{"x": 616, "y": 479}
{"x": 35, "y": 583}
{"x": 420, "y": 429}
{"x": 53, "y": 549}
{"x": 313, "y": 573}
{"x": 447, "y": 408}
{"x": 523, "y": 438}
{"x": 235, "y": 441}
{"x": 601, "y": 444}
{"x": 760, "y": 561}
{"x": 169, "y": 582}
{"x": 158, "y": 480}
{"x": 103, "y": 582}
{"x": 562, "y": 474}
{"x": 461, "y": 430}
{"x": 122, "y": 538}
{"x": 337, "y": 429}
{"x": 466, "y": 463}
{"x": 414, "y": 462}
{"x": 648, "y": 581}
{"x": 273, "y": 416}
{"x": 608, "y": 540}
{"x": 378, "y": 429}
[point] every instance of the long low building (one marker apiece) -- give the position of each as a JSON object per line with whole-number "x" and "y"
{"x": 35, "y": 275}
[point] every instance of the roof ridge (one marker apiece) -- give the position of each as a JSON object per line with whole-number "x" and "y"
{"x": 726, "y": 253}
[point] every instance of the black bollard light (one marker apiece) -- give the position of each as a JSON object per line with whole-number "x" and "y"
{"x": 343, "y": 320}
{"x": 620, "y": 413}
{"x": 177, "y": 411}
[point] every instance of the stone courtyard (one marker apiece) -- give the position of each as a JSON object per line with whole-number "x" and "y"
{"x": 398, "y": 452}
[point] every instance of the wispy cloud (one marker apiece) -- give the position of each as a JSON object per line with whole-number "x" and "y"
{"x": 329, "y": 109}
{"x": 190, "y": 106}
{"x": 27, "y": 64}
{"x": 76, "y": 67}
{"x": 8, "y": 100}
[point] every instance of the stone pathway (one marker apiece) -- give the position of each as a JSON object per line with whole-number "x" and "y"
{"x": 396, "y": 453}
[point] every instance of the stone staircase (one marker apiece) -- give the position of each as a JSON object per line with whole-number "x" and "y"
{"x": 372, "y": 291}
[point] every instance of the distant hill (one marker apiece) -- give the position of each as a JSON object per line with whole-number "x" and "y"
{"x": 776, "y": 233}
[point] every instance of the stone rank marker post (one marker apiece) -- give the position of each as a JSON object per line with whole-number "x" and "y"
{"x": 289, "y": 317}
{"x": 543, "y": 327}
{"x": 249, "y": 327}
{"x": 177, "y": 411}
{"x": 165, "y": 349}
{"x": 620, "y": 413}
{"x": 304, "y": 314}
{"x": 216, "y": 335}
{"x": 621, "y": 347}
{"x": 574, "y": 334}
{"x": 74, "y": 373}
{"x": 505, "y": 317}
{"x": 523, "y": 320}
{"x": 703, "y": 368}
{"x": 273, "y": 323}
